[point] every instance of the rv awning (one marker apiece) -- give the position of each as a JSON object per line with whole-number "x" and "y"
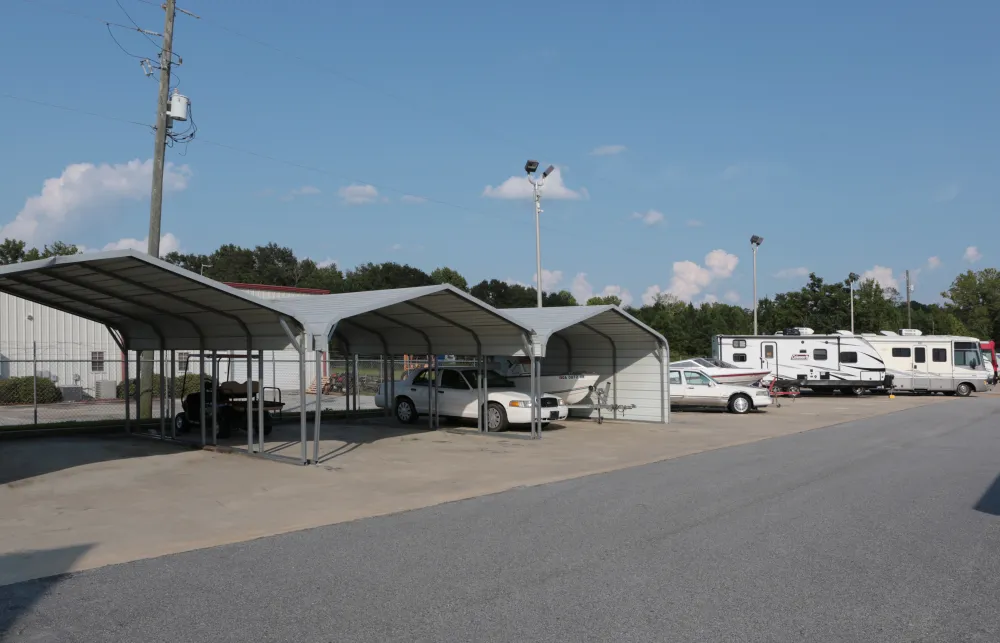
{"x": 150, "y": 302}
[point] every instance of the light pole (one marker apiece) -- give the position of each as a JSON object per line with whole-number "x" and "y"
{"x": 852, "y": 278}
{"x": 536, "y": 184}
{"x": 755, "y": 242}
{"x": 203, "y": 266}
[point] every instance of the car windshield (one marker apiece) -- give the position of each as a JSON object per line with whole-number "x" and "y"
{"x": 493, "y": 379}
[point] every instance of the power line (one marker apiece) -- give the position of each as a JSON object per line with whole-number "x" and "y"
{"x": 88, "y": 17}
{"x": 73, "y": 109}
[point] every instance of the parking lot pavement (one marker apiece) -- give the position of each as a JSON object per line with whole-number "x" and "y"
{"x": 112, "y": 500}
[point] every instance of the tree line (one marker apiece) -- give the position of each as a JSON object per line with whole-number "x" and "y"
{"x": 971, "y": 306}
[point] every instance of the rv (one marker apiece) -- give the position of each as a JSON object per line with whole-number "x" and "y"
{"x": 932, "y": 363}
{"x": 841, "y": 361}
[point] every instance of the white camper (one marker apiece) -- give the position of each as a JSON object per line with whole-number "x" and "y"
{"x": 932, "y": 363}
{"x": 841, "y": 361}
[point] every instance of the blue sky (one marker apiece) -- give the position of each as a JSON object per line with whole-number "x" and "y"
{"x": 852, "y": 136}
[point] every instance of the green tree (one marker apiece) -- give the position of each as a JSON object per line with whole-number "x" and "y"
{"x": 11, "y": 251}
{"x": 875, "y": 308}
{"x": 606, "y": 300}
{"x": 445, "y": 275}
{"x": 974, "y": 299}
{"x": 379, "y": 276}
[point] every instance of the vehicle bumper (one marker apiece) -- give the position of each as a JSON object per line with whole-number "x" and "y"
{"x": 760, "y": 401}
{"x": 516, "y": 415}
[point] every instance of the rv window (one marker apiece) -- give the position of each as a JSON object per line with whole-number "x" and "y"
{"x": 939, "y": 354}
{"x": 819, "y": 354}
{"x": 739, "y": 343}
{"x": 900, "y": 352}
{"x": 739, "y": 357}
{"x": 849, "y": 357}
{"x": 675, "y": 377}
{"x": 769, "y": 351}
{"x": 967, "y": 356}
{"x": 919, "y": 354}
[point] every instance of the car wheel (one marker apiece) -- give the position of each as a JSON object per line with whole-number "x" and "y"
{"x": 964, "y": 389}
{"x": 740, "y": 404}
{"x": 406, "y": 412}
{"x": 181, "y": 424}
{"x": 496, "y": 418}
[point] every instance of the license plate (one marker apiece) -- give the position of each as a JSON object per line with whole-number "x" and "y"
{"x": 553, "y": 415}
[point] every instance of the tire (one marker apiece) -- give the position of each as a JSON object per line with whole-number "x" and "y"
{"x": 964, "y": 390}
{"x": 740, "y": 404}
{"x": 181, "y": 424}
{"x": 496, "y": 418}
{"x": 406, "y": 410}
{"x": 857, "y": 391}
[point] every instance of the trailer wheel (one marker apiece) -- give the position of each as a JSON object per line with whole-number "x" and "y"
{"x": 964, "y": 389}
{"x": 857, "y": 390}
{"x": 181, "y": 424}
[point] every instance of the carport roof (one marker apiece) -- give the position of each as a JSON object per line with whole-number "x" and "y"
{"x": 148, "y": 300}
{"x": 422, "y": 320}
{"x": 608, "y": 321}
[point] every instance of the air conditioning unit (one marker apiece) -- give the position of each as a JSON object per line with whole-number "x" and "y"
{"x": 805, "y": 331}
{"x": 910, "y": 332}
{"x": 888, "y": 333}
{"x": 71, "y": 393}
{"x": 106, "y": 389}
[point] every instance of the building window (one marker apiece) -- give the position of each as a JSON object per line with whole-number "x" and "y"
{"x": 919, "y": 354}
{"x": 183, "y": 362}
{"x": 939, "y": 354}
{"x": 900, "y": 352}
{"x": 97, "y": 362}
{"x": 819, "y": 354}
{"x": 739, "y": 343}
{"x": 849, "y": 357}
{"x": 769, "y": 351}
{"x": 739, "y": 357}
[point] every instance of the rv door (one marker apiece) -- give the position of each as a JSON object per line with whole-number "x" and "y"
{"x": 920, "y": 367}
{"x": 769, "y": 356}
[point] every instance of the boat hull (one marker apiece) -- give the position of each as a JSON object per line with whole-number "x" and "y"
{"x": 572, "y": 388}
{"x": 739, "y": 379}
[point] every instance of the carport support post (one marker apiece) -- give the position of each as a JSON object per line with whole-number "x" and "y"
{"x": 163, "y": 391}
{"x": 664, "y": 385}
{"x": 249, "y": 408}
{"x": 202, "y": 392}
{"x": 260, "y": 398}
{"x": 486, "y": 396}
{"x": 357, "y": 383}
{"x": 173, "y": 391}
{"x": 430, "y": 394}
{"x": 303, "y": 438}
{"x": 318, "y": 415}
{"x": 215, "y": 401}
{"x": 479, "y": 391}
{"x": 138, "y": 383}
{"x": 128, "y": 409}
{"x": 391, "y": 386}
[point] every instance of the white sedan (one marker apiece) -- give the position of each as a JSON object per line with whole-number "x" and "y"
{"x": 458, "y": 397}
{"x": 694, "y": 388}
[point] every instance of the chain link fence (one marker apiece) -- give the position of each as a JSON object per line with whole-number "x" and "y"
{"x": 43, "y": 391}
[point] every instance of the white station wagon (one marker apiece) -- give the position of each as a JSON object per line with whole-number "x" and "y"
{"x": 689, "y": 387}
{"x": 458, "y": 397}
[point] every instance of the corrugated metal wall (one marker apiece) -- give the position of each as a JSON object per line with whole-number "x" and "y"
{"x": 638, "y": 372}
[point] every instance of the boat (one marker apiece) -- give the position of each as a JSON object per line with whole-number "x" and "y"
{"x": 572, "y": 387}
{"x": 724, "y": 372}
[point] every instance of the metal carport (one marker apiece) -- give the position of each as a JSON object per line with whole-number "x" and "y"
{"x": 149, "y": 304}
{"x": 428, "y": 320}
{"x": 630, "y": 355}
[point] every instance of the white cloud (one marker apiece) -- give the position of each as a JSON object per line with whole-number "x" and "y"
{"x": 883, "y": 276}
{"x": 305, "y": 190}
{"x": 947, "y": 192}
{"x": 710, "y": 299}
{"x": 582, "y": 291}
{"x": 972, "y": 254}
{"x": 396, "y": 247}
{"x": 607, "y": 150}
{"x": 689, "y": 278}
{"x": 933, "y": 263}
{"x": 792, "y": 273}
{"x": 168, "y": 243}
{"x": 518, "y": 187}
{"x": 650, "y": 217}
{"x": 693, "y": 223}
{"x": 514, "y": 282}
{"x": 358, "y": 194}
{"x": 83, "y": 188}
{"x": 326, "y": 263}
{"x": 732, "y": 296}
{"x": 550, "y": 279}
{"x": 411, "y": 198}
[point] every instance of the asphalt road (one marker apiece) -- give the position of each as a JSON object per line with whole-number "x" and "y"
{"x": 880, "y": 530}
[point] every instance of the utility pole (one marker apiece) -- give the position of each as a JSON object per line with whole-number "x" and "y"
{"x": 156, "y": 194}
{"x": 909, "y": 321}
{"x": 755, "y": 242}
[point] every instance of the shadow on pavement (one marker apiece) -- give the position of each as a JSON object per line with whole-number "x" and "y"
{"x": 23, "y": 459}
{"x": 50, "y": 566}
{"x": 989, "y": 503}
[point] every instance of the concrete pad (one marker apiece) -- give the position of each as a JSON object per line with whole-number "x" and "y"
{"x": 112, "y": 500}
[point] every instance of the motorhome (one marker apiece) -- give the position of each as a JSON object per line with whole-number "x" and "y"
{"x": 932, "y": 363}
{"x": 841, "y": 361}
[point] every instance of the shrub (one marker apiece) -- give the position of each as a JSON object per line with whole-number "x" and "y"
{"x": 183, "y": 385}
{"x": 18, "y": 390}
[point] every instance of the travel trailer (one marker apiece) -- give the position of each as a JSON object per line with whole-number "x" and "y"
{"x": 841, "y": 361}
{"x": 932, "y": 363}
